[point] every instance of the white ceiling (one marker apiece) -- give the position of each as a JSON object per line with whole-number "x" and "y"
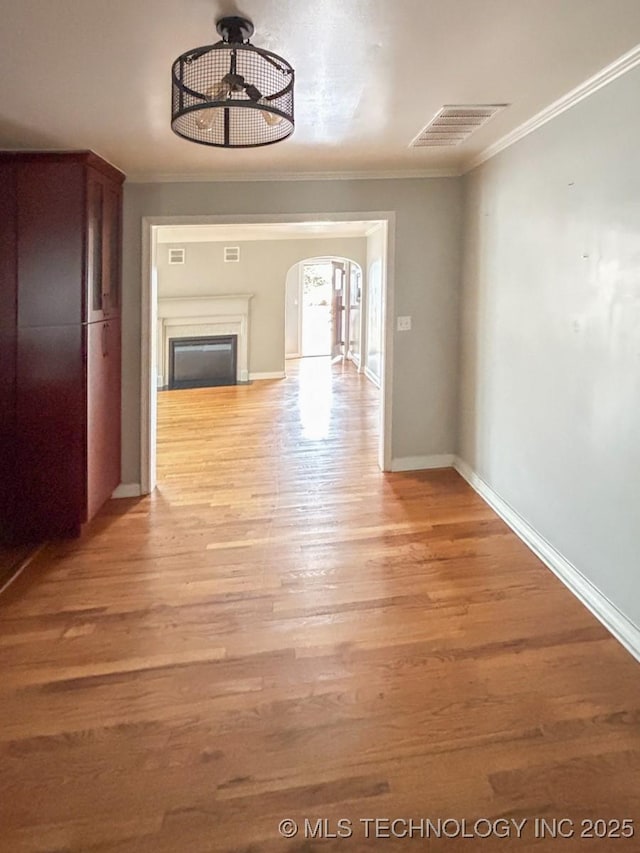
{"x": 369, "y": 75}
{"x": 260, "y": 231}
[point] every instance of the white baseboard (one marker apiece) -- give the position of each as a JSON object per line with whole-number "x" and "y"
{"x": 619, "y": 625}
{"x": 372, "y": 377}
{"x": 278, "y": 374}
{"x": 128, "y": 490}
{"x": 422, "y": 463}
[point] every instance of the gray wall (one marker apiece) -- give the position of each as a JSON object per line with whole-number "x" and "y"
{"x": 550, "y": 335}
{"x": 262, "y": 270}
{"x": 292, "y": 330}
{"x": 427, "y": 273}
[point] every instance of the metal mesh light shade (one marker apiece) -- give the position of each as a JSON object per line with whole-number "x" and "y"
{"x": 232, "y": 95}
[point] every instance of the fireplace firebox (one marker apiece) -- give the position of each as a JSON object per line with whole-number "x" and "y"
{"x": 203, "y": 361}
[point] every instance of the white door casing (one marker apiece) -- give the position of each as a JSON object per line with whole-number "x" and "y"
{"x": 149, "y": 307}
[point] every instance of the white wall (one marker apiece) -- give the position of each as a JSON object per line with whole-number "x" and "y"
{"x": 550, "y": 335}
{"x": 262, "y": 271}
{"x": 427, "y": 272}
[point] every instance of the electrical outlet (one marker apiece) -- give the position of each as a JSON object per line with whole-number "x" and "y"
{"x": 403, "y": 324}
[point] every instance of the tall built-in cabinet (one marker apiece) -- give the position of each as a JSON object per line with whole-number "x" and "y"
{"x": 60, "y": 261}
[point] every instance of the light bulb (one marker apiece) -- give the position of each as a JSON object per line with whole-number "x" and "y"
{"x": 271, "y": 118}
{"x": 254, "y": 94}
{"x": 207, "y": 118}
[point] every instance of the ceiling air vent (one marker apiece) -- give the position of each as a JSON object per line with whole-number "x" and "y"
{"x": 231, "y": 254}
{"x": 454, "y": 124}
{"x": 176, "y": 256}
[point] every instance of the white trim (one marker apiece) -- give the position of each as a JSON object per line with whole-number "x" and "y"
{"x": 364, "y": 309}
{"x": 387, "y": 356}
{"x": 422, "y": 463}
{"x": 277, "y": 374}
{"x": 626, "y": 62}
{"x": 373, "y": 378}
{"x": 127, "y": 490}
{"x": 148, "y": 358}
{"x": 300, "y": 301}
{"x": 226, "y": 177}
{"x": 619, "y": 625}
{"x": 148, "y": 320}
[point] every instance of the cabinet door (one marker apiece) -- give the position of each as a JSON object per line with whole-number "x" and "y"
{"x": 50, "y": 456}
{"x": 112, "y": 240}
{"x": 51, "y": 243}
{"x": 8, "y": 341}
{"x": 103, "y": 412}
{"x": 112, "y": 459}
{"x": 95, "y": 249}
{"x": 104, "y": 204}
{"x": 97, "y": 417}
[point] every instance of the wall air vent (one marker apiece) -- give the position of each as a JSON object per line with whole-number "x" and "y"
{"x": 452, "y": 125}
{"x": 176, "y": 256}
{"x": 231, "y": 254}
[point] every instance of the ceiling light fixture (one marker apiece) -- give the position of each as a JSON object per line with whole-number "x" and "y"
{"x": 232, "y": 94}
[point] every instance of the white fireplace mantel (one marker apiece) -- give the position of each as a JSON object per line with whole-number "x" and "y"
{"x": 193, "y": 316}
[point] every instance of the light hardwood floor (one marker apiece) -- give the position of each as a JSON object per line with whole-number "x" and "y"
{"x": 13, "y": 560}
{"x": 282, "y": 631}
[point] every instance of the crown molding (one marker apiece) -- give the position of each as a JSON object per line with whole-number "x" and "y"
{"x": 227, "y": 177}
{"x": 625, "y": 63}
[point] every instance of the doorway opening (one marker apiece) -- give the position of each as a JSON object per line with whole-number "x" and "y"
{"x": 323, "y": 309}
{"x": 315, "y": 314}
{"x": 249, "y": 307}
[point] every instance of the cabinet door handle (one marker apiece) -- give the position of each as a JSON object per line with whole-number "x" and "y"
{"x": 105, "y": 340}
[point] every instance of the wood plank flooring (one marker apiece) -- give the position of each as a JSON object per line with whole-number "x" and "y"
{"x": 13, "y": 560}
{"x": 282, "y": 631}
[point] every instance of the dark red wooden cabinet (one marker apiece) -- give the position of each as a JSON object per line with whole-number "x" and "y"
{"x": 60, "y": 259}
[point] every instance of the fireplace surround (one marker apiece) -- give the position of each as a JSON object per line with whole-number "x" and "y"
{"x": 203, "y": 316}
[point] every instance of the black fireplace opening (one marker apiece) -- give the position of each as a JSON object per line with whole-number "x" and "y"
{"x": 203, "y": 362}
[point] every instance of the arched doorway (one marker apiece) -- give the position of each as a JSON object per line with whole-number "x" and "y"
{"x": 323, "y": 314}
